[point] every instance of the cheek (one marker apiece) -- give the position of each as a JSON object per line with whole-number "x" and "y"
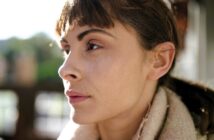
{"x": 104, "y": 74}
{"x": 115, "y": 82}
{"x": 113, "y": 79}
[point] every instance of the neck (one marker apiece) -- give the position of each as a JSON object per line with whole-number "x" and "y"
{"x": 124, "y": 126}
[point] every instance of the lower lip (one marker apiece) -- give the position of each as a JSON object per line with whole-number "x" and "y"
{"x": 77, "y": 99}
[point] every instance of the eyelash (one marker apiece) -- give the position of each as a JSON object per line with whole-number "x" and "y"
{"x": 90, "y": 46}
{"x": 65, "y": 50}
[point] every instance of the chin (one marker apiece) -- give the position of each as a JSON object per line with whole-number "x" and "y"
{"x": 82, "y": 119}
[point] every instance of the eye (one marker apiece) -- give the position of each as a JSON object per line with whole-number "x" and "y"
{"x": 66, "y": 50}
{"x": 92, "y": 45}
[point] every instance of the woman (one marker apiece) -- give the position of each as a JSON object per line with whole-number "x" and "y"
{"x": 118, "y": 57}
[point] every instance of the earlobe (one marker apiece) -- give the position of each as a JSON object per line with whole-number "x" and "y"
{"x": 163, "y": 57}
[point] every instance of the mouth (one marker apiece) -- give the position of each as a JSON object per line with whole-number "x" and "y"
{"x": 76, "y": 97}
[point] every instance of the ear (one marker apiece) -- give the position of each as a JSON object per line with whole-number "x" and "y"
{"x": 162, "y": 59}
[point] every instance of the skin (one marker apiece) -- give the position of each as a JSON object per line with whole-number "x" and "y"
{"x": 112, "y": 68}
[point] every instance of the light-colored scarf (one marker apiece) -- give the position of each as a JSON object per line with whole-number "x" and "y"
{"x": 167, "y": 119}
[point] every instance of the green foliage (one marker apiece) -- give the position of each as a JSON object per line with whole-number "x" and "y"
{"x": 47, "y": 70}
{"x": 45, "y": 50}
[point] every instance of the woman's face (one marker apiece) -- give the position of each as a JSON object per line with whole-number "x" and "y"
{"x": 104, "y": 72}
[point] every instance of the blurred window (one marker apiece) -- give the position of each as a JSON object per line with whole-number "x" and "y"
{"x": 52, "y": 113}
{"x": 8, "y": 112}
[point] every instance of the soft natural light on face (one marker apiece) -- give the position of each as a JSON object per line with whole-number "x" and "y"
{"x": 24, "y": 18}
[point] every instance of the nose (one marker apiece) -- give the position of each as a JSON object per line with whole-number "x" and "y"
{"x": 67, "y": 71}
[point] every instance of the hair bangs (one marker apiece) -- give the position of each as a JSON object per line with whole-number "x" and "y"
{"x": 84, "y": 12}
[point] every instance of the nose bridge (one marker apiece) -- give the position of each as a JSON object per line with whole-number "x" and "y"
{"x": 69, "y": 70}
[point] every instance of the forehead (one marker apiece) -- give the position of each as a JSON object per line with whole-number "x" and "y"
{"x": 76, "y": 30}
{"x": 118, "y": 34}
{"x": 72, "y": 32}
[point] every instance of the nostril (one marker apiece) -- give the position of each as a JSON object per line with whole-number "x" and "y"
{"x": 73, "y": 76}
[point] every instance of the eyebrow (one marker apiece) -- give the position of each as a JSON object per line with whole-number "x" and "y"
{"x": 83, "y": 34}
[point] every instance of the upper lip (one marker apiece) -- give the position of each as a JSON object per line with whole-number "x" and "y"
{"x": 73, "y": 93}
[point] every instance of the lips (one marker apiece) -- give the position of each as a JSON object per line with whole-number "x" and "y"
{"x": 76, "y": 97}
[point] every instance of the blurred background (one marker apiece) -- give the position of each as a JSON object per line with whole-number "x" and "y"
{"x": 32, "y": 103}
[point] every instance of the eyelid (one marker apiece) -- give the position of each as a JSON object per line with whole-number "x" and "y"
{"x": 91, "y": 45}
{"x": 96, "y": 42}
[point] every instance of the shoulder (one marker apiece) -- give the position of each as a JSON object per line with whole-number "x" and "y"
{"x": 199, "y": 100}
{"x": 178, "y": 124}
